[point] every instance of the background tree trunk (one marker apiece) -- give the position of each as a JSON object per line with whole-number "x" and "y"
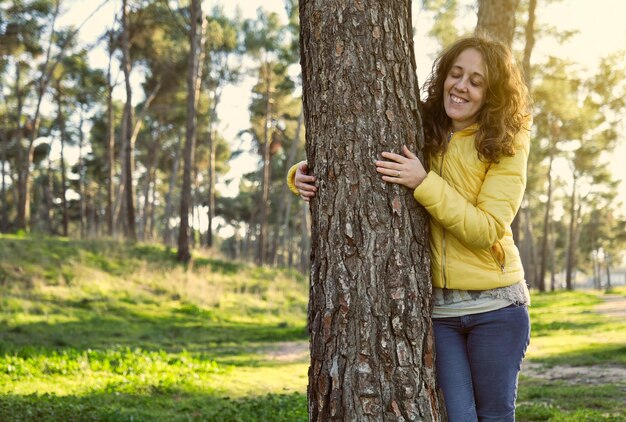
{"x": 195, "y": 45}
{"x": 372, "y": 355}
{"x": 110, "y": 150}
{"x": 126, "y": 137}
{"x": 496, "y": 18}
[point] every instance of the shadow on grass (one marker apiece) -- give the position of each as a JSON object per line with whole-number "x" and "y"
{"x": 589, "y": 354}
{"x": 171, "y": 334}
{"x": 102, "y": 324}
{"x": 157, "y": 405}
{"x": 554, "y": 327}
{"x": 549, "y": 400}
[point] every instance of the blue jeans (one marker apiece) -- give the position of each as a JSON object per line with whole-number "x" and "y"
{"x": 478, "y": 359}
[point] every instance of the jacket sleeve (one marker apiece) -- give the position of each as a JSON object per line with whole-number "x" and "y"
{"x": 483, "y": 224}
{"x": 291, "y": 177}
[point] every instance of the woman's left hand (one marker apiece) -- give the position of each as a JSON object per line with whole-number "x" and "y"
{"x": 404, "y": 170}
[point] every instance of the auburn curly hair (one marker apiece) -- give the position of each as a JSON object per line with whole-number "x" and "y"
{"x": 506, "y": 108}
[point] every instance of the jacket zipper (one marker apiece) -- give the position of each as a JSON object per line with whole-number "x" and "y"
{"x": 443, "y": 229}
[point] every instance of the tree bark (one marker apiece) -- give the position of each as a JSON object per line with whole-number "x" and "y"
{"x": 195, "y": 41}
{"x": 284, "y": 205}
{"x": 372, "y": 354}
{"x": 110, "y": 150}
{"x": 266, "y": 169}
{"x": 62, "y": 136}
{"x": 126, "y": 137}
{"x": 496, "y": 18}
{"x": 530, "y": 42}
{"x": 571, "y": 244}
{"x": 168, "y": 238}
{"x": 541, "y": 279}
{"x": 211, "y": 185}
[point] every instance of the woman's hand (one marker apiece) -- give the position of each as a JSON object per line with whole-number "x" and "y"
{"x": 404, "y": 170}
{"x": 305, "y": 183}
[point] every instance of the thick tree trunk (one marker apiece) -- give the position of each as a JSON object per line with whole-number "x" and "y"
{"x": 195, "y": 43}
{"x": 372, "y": 354}
{"x": 496, "y": 18}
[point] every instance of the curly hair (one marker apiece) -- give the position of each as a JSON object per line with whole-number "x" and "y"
{"x": 506, "y": 108}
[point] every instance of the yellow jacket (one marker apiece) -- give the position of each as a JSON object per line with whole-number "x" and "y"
{"x": 471, "y": 204}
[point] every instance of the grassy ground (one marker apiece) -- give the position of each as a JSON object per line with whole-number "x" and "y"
{"x": 101, "y": 331}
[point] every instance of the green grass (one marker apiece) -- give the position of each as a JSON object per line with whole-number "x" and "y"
{"x": 111, "y": 332}
{"x": 105, "y": 331}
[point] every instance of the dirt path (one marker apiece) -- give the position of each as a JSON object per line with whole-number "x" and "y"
{"x": 614, "y": 305}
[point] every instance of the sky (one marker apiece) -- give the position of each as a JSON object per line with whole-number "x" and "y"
{"x": 600, "y": 24}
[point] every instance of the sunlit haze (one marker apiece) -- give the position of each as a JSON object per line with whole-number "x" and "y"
{"x": 600, "y": 25}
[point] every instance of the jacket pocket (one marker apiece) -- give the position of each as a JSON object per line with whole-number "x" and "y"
{"x": 497, "y": 252}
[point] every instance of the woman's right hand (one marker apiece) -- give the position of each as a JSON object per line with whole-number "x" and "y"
{"x": 305, "y": 183}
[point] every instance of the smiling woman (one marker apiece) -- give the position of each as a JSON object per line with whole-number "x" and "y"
{"x": 464, "y": 89}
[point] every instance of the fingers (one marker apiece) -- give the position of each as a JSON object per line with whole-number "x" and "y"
{"x": 395, "y": 157}
{"x": 408, "y": 153}
{"x": 305, "y": 183}
{"x": 388, "y": 171}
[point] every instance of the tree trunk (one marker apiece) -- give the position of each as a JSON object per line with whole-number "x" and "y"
{"x": 266, "y": 170}
{"x": 284, "y": 204}
{"x": 211, "y": 187}
{"x": 127, "y": 124}
{"x": 530, "y": 42}
{"x": 496, "y": 18}
{"x": 571, "y": 244}
{"x": 608, "y": 271}
{"x": 62, "y": 136}
{"x": 541, "y": 283}
{"x": 169, "y": 197}
{"x": 24, "y": 165}
{"x": 195, "y": 42}
{"x": 372, "y": 352}
{"x": 150, "y": 182}
{"x": 110, "y": 141}
{"x": 82, "y": 191}
{"x": 305, "y": 240}
{"x": 552, "y": 259}
{"x": 529, "y": 31}
{"x": 4, "y": 212}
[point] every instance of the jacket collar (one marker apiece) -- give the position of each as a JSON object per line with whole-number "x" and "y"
{"x": 471, "y": 129}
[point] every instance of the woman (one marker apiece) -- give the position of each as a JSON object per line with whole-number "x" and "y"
{"x": 476, "y": 125}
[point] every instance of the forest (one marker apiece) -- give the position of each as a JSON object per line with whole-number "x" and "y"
{"x": 89, "y": 152}
{"x": 154, "y": 265}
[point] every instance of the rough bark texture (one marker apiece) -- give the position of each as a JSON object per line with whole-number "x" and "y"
{"x": 496, "y": 18}
{"x": 370, "y": 296}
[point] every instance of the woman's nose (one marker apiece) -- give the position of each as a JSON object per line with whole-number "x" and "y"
{"x": 461, "y": 85}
